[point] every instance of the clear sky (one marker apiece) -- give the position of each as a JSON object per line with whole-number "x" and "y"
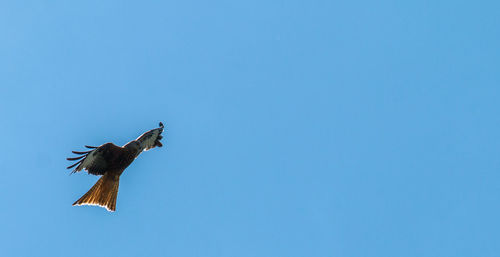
{"x": 294, "y": 128}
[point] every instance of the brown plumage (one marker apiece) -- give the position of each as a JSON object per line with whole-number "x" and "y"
{"x": 110, "y": 161}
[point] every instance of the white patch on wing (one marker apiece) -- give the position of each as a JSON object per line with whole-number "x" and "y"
{"x": 91, "y": 157}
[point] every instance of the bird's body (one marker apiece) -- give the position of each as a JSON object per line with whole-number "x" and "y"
{"x": 110, "y": 161}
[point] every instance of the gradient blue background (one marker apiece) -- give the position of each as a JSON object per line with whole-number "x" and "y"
{"x": 294, "y": 128}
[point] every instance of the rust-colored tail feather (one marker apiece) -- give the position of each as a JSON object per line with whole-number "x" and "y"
{"x": 103, "y": 193}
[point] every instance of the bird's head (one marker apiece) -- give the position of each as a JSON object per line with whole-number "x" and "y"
{"x": 148, "y": 140}
{"x": 157, "y": 141}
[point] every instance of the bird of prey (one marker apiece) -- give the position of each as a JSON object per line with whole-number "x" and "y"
{"x": 110, "y": 161}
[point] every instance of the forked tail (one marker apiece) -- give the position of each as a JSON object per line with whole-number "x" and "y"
{"x": 103, "y": 193}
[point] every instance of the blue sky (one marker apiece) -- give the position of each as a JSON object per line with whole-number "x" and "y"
{"x": 294, "y": 128}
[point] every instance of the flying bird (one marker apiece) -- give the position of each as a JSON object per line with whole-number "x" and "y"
{"x": 109, "y": 161}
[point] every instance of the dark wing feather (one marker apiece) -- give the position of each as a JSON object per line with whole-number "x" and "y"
{"x": 97, "y": 161}
{"x": 75, "y": 158}
{"x": 71, "y": 166}
{"x": 75, "y": 152}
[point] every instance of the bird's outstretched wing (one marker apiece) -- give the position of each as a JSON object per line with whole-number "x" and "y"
{"x": 95, "y": 161}
{"x": 150, "y": 139}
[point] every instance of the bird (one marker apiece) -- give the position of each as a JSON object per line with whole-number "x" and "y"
{"x": 109, "y": 161}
